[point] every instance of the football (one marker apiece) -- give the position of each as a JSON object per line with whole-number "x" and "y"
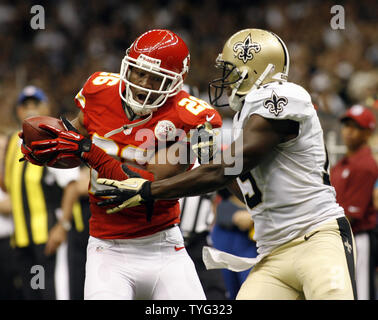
{"x": 32, "y": 132}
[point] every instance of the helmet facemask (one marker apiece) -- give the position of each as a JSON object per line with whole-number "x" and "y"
{"x": 143, "y": 100}
{"x": 231, "y": 79}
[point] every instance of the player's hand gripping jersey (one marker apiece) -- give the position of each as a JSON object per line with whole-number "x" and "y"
{"x": 101, "y": 105}
{"x": 289, "y": 193}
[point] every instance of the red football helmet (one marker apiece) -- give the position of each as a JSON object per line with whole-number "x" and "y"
{"x": 161, "y": 53}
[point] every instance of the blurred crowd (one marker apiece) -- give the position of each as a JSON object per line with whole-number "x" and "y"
{"x": 338, "y": 67}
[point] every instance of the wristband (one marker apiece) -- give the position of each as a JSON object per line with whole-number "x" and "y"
{"x": 65, "y": 224}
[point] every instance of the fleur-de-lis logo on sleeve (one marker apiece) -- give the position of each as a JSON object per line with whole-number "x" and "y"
{"x": 275, "y": 104}
{"x": 243, "y": 49}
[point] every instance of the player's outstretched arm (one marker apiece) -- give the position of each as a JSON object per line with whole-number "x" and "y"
{"x": 260, "y": 136}
{"x": 233, "y": 187}
{"x": 158, "y": 168}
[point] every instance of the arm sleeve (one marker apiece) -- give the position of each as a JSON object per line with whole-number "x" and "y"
{"x": 110, "y": 168}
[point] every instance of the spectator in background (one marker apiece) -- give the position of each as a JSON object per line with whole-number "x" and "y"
{"x": 354, "y": 177}
{"x": 80, "y": 38}
{"x": 38, "y": 195}
{"x": 375, "y": 236}
{"x": 375, "y": 197}
{"x": 233, "y": 233}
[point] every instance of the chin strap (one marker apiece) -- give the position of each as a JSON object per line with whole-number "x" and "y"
{"x": 128, "y": 126}
{"x": 262, "y": 77}
{"x": 235, "y": 101}
{"x": 129, "y": 112}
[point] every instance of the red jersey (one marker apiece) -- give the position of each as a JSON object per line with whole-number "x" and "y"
{"x": 353, "y": 178}
{"x": 101, "y": 105}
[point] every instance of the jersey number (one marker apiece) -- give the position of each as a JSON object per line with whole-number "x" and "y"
{"x": 110, "y": 79}
{"x": 251, "y": 192}
{"x": 194, "y": 105}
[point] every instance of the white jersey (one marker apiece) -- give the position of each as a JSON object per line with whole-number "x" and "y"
{"x": 288, "y": 194}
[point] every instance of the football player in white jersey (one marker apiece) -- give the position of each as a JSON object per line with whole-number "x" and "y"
{"x": 305, "y": 245}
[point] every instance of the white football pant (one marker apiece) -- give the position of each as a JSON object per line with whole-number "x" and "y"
{"x": 155, "y": 267}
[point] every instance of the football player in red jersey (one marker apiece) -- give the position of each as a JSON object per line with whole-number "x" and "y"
{"x": 138, "y": 117}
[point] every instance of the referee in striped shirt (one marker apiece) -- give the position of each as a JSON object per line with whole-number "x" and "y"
{"x": 38, "y": 195}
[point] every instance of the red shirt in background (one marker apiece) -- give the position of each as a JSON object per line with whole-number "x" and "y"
{"x": 354, "y": 178}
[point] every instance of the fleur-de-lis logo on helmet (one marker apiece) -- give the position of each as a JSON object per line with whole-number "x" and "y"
{"x": 243, "y": 49}
{"x": 275, "y": 104}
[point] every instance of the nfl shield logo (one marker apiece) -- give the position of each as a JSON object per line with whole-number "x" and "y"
{"x": 165, "y": 130}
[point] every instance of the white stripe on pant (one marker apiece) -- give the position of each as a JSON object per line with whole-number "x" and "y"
{"x": 363, "y": 265}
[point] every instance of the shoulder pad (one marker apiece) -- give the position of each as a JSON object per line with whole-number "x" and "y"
{"x": 280, "y": 101}
{"x": 287, "y": 89}
{"x": 97, "y": 82}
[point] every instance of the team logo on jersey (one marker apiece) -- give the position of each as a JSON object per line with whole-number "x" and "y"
{"x": 275, "y": 104}
{"x": 165, "y": 130}
{"x": 243, "y": 49}
{"x": 348, "y": 246}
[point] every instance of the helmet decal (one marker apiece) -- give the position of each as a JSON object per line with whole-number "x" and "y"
{"x": 185, "y": 64}
{"x": 243, "y": 49}
{"x": 168, "y": 39}
{"x": 148, "y": 60}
